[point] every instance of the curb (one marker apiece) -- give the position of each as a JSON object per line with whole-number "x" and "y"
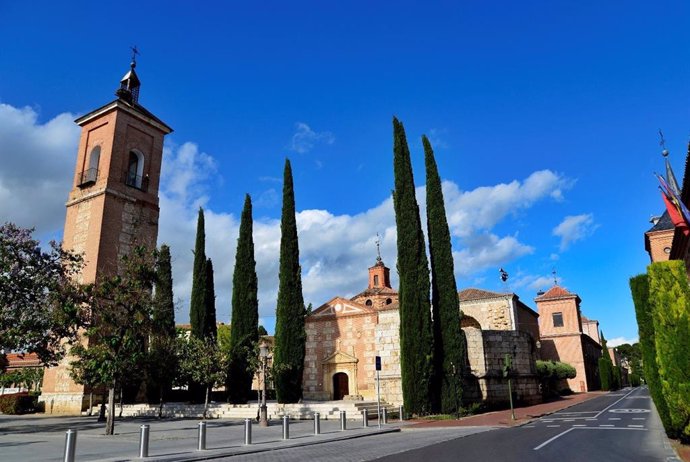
{"x": 212, "y": 454}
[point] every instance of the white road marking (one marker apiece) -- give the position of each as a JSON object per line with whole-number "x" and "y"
{"x": 553, "y": 438}
{"x": 568, "y": 420}
{"x": 553, "y": 426}
{"x": 605, "y": 425}
{"x": 613, "y": 404}
{"x": 639, "y": 418}
{"x": 579, "y": 425}
{"x": 636, "y": 426}
{"x": 614, "y": 418}
{"x": 550, "y": 440}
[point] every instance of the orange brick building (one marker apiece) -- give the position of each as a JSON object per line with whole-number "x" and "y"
{"x": 563, "y": 338}
{"x": 113, "y": 204}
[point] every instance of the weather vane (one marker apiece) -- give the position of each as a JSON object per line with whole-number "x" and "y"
{"x": 555, "y": 279}
{"x": 504, "y": 275}
{"x": 135, "y": 52}
{"x": 662, "y": 143}
{"x": 378, "y": 247}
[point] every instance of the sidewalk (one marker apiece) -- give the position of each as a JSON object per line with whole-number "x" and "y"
{"x": 523, "y": 415}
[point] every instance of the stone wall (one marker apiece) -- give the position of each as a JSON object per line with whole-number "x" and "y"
{"x": 494, "y": 314}
{"x": 486, "y": 351}
{"x": 388, "y": 343}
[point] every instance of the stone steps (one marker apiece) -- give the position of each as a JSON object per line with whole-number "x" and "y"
{"x": 329, "y": 410}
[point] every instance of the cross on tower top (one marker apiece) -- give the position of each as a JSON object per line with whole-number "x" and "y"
{"x": 135, "y": 52}
{"x": 378, "y": 248}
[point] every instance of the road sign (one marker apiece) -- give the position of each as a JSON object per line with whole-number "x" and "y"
{"x": 378, "y": 363}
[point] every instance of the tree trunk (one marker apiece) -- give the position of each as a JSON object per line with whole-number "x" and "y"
{"x": 160, "y": 405}
{"x": 206, "y": 402}
{"x": 122, "y": 401}
{"x": 101, "y": 414}
{"x": 90, "y": 403}
{"x": 110, "y": 424}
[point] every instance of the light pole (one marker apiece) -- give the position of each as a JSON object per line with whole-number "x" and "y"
{"x": 263, "y": 412}
{"x": 455, "y": 390}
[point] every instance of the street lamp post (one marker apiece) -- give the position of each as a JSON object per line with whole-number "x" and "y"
{"x": 263, "y": 410}
{"x": 455, "y": 390}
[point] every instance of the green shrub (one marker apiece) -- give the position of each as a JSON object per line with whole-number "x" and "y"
{"x": 669, "y": 297}
{"x": 16, "y": 404}
{"x": 606, "y": 374}
{"x": 551, "y": 374}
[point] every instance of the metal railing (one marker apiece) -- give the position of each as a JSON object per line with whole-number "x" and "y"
{"x": 136, "y": 181}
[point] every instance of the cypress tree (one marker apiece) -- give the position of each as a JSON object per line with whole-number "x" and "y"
{"x": 290, "y": 336}
{"x": 416, "y": 338}
{"x": 448, "y": 344}
{"x": 211, "y": 328}
{"x": 605, "y": 367}
{"x": 639, "y": 286}
{"x": 197, "y": 311}
{"x": 164, "y": 304}
{"x": 162, "y": 357}
{"x": 244, "y": 324}
{"x": 669, "y": 295}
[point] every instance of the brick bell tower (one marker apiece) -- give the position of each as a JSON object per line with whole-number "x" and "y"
{"x": 113, "y": 203}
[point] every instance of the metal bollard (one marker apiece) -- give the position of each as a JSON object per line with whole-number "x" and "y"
{"x": 144, "y": 441}
{"x": 365, "y": 418}
{"x": 286, "y": 427}
{"x": 343, "y": 421}
{"x": 384, "y": 416}
{"x": 402, "y": 413}
{"x": 247, "y": 431}
{"x": 317, "y": 423}
{"x": 70, "y": 445}
{"x": 202, "y": 437}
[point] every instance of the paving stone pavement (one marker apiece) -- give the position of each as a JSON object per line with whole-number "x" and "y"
{"x": 40, "y": 438}
{"x": 363, "y": 449}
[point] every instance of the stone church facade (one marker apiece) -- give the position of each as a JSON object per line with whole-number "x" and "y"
{"x": 345, "y": 335}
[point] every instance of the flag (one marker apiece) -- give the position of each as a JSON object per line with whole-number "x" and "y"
{"x": 674, "y": 198}
{"x": 675, "y": 214}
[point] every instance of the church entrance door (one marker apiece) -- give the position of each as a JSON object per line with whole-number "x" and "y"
{"x": 340, "y": 386}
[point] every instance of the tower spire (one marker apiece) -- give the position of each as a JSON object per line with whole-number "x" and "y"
{"x": 670, "y": 177}
{"x": 130, "y": 83}
{"x": 378, "y": 249}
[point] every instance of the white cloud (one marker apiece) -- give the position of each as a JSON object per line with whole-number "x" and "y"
{"x": 37, "y": 168}
{"x": 484, "y": 207}
{"x": 437, "y": 138}
{"x": 305, "y": 138}
{"x": 618, "y": 341}
{"x": 487, "y": 250}
{"x": 575, "y": 228}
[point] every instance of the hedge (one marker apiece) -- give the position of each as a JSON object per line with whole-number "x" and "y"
{"x": 17, "y": 404}
{"x": 669, "y": 296}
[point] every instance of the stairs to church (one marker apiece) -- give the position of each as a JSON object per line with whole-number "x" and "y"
{"x": 329, "y": 410}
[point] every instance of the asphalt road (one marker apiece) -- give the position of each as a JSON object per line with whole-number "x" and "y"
{"x": 620, "y": 426}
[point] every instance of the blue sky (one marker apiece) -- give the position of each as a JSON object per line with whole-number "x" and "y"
{"x": 543, "y": 116}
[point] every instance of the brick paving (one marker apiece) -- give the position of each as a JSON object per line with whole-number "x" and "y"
{"x": 523, "y": 415}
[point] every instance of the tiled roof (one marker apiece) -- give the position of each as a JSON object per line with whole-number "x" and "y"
{"x": 663, "y": 224}
{"x": 556, "y": 292}
{"x": 478, "y": 294}
{"x": 19, "y": 360}
{"x": 376, "y": 291}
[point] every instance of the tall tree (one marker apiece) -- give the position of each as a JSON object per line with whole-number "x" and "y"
{"x": 416, "y": 338}
{"x": 197, "y": 310}
{"x": 605, "y": 367}
{"x": 118, "y": 327}
{"x": 162, "y": 359}
{"x": 211, "y": 328}
{"x": 290, "y": 336}
{"x": 245, "y": 310}
{"x": 448, "y": 341}
{"x": 40, "y": 300}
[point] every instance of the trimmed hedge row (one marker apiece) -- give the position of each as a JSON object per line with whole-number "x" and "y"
{"x": 18, "y": 403}
{"x": 669, "y": 298}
